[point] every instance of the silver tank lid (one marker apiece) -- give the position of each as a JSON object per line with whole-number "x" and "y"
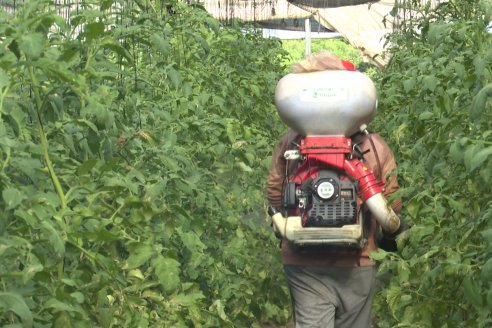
{"x": 326, "y": 102}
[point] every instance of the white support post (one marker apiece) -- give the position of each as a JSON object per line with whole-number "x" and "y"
{"x": 307, "y": 26}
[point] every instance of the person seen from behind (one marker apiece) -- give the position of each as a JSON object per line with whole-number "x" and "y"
{"x": 333, "y": 287}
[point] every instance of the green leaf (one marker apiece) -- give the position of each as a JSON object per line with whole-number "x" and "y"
{"x": 472, "y": 292}
{"x": 12, "y": 198}
{"x": 106, "y": 316}
{"x": 187, "y": 300}
{"x": 14, "y": 325}
{"x": 393, "y": 296}
{"x": 32, "y": 45}
{"x": 78, "y": 296}
{"x": 31, "y": 269}
{"x": 489, "y": 298}
{"x": 87, "y": 166}
{"x": 231, "y": 131}
{"x": 201, "y": 40}
{"x": 4, "y": 79}
{"x": 244, "y": 167}
{"x": 426, "y": 115}
{"x": 174, "y": 76}
{"x": 83, "y": 122}
{"x": 12, "y": 242}
{"x": 167, "y": 271}
{"x": 487, "y": 235}
{"x": 139, "y": 256}
{"x": 403, "y": 271}
{"x": 486, "y": 274}
{"x": 430, "y": 83}
{"x": 480, "y": 101}
{"x": 379, "y": 255}
{"x": 456, "y": 151}
{"x": 15, "y": 303}
{"x": 480, "y": 65}
{"x": 479, "y": 158}
{"x": 159, "y": 43}
{"x": 191, "y": 241}
{"x": 409, "y": 84}
{"x": 106, "y": 4}
{"x": 418, "y": 232}
{"x": 457, "y": 205}
{"x": 18, "y": 120}
{"x": 470, "y": 151}
{"x": 93, "y": 30}
{"x": 63, "y": 320}
{"x": 219, "y": 308}
{"x": 437, "y": 31}
{"x": 459, "y": 69}
{"x": 59, "y": 306}
{"x": 115, "y": 46}
{"x": 54, "y": 237}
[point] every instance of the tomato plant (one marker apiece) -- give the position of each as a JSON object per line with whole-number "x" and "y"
{"x": 134, "y": 141}
{"x": 435, "y": 111}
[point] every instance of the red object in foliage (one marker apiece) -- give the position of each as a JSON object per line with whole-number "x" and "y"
{"x": 348, "y": 65}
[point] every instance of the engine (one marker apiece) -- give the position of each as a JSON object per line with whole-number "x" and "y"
{"x": 323, "y": 195}
{"x": 328, "y": 199}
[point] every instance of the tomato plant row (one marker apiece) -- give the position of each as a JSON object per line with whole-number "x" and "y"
{"x": 437, "y": 115}
{"x": 133, "y": 151}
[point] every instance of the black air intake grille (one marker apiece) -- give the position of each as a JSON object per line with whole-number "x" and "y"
{"x": 332, "y": 215}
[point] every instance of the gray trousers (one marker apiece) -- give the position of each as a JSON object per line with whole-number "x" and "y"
{"x": 331, "y": 297}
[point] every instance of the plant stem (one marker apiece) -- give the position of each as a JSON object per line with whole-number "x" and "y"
{"x": 3, "y": 95}
{"x": 44, "y": 143}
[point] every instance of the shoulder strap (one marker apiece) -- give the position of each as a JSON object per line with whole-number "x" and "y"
{"x": 358, "y": 137}
{"x": 378, "y": 162}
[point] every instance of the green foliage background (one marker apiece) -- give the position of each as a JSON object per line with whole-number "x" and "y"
{"x": 133, "y": 152}
{"x": 435, "y": 111}
{"x": 339, "y": 47}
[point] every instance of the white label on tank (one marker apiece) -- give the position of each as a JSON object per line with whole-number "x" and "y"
{"x": 323, "y": 94}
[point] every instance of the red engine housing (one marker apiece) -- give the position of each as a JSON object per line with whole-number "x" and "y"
{"x": 335, "y": 153}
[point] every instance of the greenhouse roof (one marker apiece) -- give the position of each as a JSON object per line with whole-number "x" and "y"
{"x": 365, "y": 25}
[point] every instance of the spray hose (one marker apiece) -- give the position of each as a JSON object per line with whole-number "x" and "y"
{"x": 371, "y": 191}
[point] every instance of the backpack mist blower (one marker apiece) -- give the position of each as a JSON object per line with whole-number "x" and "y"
{"x": 323, "y": 196}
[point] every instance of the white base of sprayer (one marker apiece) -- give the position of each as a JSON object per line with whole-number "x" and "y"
{"x": 291, "y": 228}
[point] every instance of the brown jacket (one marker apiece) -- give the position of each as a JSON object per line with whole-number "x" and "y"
{"x": 275, "y": 184}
